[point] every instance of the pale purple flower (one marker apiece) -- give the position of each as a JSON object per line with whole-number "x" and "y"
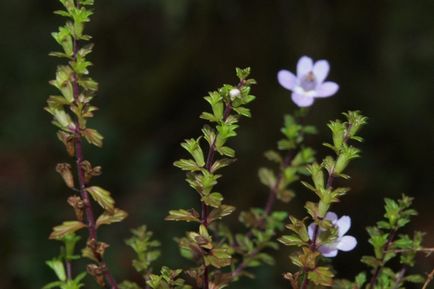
{"x": 309, "y": 83}
{"x": 343, "y": 242}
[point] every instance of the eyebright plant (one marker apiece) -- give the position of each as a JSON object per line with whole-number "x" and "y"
{"x": 218, "y": 254}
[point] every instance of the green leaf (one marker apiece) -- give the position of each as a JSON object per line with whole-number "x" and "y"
{"x": 218, "y": 213}
{"x": 226, "y": 151}
{"x": 267, "y": 177}
{"x": 414, "y": 278}
{"x": 93, "y": 137}
{"x": 321, "y": 276}
{"x": 102, "y": 197}
{"x": 57, "y": 266}
{"x": 55, "y": 284}
{"x": 107, "y": 218}
{"x": 193, "y": 147}
{"x": 213, "y": 199}
{"x": 187, "y": 165}
{"x": 67, "y": 227}
{"x": 183, "y": 215}
{"x": 291, "y": 240}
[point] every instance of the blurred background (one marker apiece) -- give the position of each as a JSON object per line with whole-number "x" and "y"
{"x": 156, "y": 59}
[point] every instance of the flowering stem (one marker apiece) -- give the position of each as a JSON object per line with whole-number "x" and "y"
{"x": 329, "y": 186}
{"x": 204, "y": 212}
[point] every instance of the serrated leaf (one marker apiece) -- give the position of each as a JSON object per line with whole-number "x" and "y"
{"x": 102, "y": 197}
{"x": 66, "y": 228}
{"x": 213, "y": 199}
{"x": 93, "y": 137}
{"x": 183, "y": 215}
{"x": 108, "y": 218}
{"x": 218, "y": 213}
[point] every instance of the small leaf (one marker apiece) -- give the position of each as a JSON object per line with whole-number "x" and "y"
{"x": 93, "y": 137}
{"x": 108, "y": 218}
{"x": 213, "y": 199}
{"x": 321, "y": 276}
{"x": 183, "y": 215}
{"x": 57, "y": 266}
{"x": 220, "y": 212}
{"x": 267, "y": 177}
{"x": 66, "y": 228}
{"x": 103, "y": 198}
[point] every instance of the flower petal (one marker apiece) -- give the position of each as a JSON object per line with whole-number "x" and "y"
{"x": 344, "y": 224}
{"x": 327, "y": 89}
{"x": 302, "y": 100}
{"x": 304, "y": 66}
{"x": 286, "y": 79}
{"x": 311, "y": 230}
{"x": 347, "y": 243}
{"x": 321, "y": 69}
{"x": 331, "y": 216}
{"x": 328, "y": 251}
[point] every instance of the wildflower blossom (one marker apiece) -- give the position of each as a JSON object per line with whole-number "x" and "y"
{"x": 309, "y": 83}
{"x": 234, "y": 93}
{"x": 343, "y": 242}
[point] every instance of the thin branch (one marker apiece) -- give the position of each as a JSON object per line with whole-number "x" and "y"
{"x": 68, "y": 269}
{"x": 428, "y": 279}
{"x": 399, "y": 278}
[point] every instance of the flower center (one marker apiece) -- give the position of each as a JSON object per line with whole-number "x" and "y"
{"x": 308, "y": 82}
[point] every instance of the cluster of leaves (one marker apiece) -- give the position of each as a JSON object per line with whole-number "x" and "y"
{"x": 263, "y": 224}
{"x": 228, "y": 104}
{"x": 292, "y": 161}
{"x": 71, "y": 109}
{"x": 387, "y": 245}
{"x": 146, "y": 250}
{"x": 61, "y": 265}
{"x": 322, "y": 175}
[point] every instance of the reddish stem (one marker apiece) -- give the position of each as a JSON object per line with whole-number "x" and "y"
{"x": 79, "y": 155}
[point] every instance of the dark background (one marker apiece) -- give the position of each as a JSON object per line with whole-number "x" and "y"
{"x": 155, "y": 60}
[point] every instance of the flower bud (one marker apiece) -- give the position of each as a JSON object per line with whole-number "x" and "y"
{"x": 234, "y": 93}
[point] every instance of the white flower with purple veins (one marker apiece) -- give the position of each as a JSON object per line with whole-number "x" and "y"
{"x": 309, "y": 83}
{"x": 343, "y": 242}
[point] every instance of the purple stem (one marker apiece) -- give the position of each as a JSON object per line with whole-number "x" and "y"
{"x": 90, "y": 217}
